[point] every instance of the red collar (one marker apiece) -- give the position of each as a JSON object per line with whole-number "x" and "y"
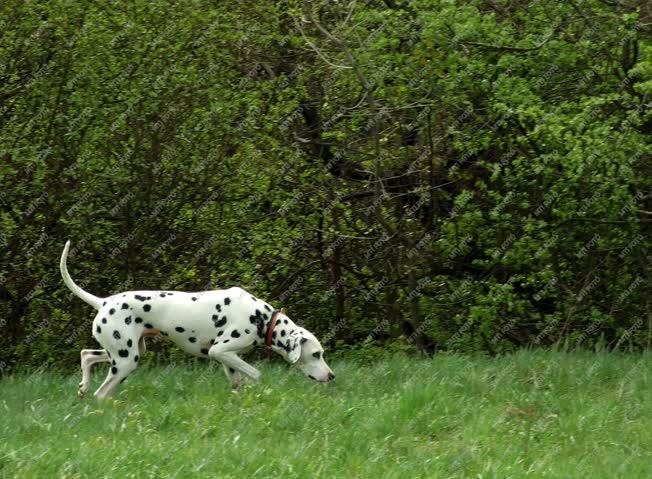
{"x": 270, "y": 330}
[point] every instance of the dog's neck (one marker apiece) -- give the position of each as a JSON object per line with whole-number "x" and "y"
{"x": 263, "y": 324}
{"x": 283, "y": 323}
{"x": 271, "y": 325}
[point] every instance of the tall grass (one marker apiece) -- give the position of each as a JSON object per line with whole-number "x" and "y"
{"x": 540, "y": 414}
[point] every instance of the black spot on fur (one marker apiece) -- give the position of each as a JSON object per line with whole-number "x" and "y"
{"x": 123, "y": 380}
{"x": 104, "y": 303}
{"x": 125, "y": 306}
{"x": 179, "y": 329}
{"x": 218, "y": 307}
{"x": 253, "y": 297}
{"x": 98, "y": 329}
{"x": 129, "y": 343}
{"x": 220, "y": 333}
{"x": 147, "y": 307}
{"x": 285, "y": 321}
{"x": 113, "y": 363}
{"x": 114, "y": 370}
{"x": 247, "y": 331}
{"x": 103, "y": 320}
{"x": 136, "y": 358}
{"x": 128, "y": 320}
{"x": 149, "y": 326}
{"x": 283, "y": 332}
{"x": 140, "y": 298}
{"x": 274, "y": 335}
{"x": 164, "y": 333}
{"x": 123, "y": 353}
{"x": 111, "y": 311}
{"x": 98, "y": 353}
{"x": 260, "y": 328}
{"x": 204, "y": 351}
{"x": 149, "y": 297}
{"x": 221, "y": 322}
{"x": 212, "y": 341}
{"x": 162, "y": 295}
{"x": 116, "y": 334}
{"x": 268, "y": 308}
{"x": 192, "y": 339}
{"x": 232, "y": 371}
{"x": 252, "y": 319}
{"x": 235, "y": 333}
{"x": 193, "y": 298}
{"x": 139, "y": 320}
{"x": 226, "y": 341}
{"x": 215, "y": 316}
{"x": 227, "y": 301}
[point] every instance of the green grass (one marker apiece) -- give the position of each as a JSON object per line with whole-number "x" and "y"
{"x": 535, "y": 414}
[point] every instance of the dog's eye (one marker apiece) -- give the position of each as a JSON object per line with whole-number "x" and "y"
{"x": 316, "y": 355}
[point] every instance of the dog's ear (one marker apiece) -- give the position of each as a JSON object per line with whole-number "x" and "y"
{"x": 294, "y": 354}
{"x": 290, "y": 348}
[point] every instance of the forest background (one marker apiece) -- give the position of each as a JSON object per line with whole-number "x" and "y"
{"x": 431, "y": 175}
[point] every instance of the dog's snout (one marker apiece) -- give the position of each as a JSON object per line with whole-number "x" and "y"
{"x": 331, "y": 376}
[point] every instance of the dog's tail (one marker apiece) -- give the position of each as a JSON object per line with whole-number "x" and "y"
{"x": 76, "y": 290}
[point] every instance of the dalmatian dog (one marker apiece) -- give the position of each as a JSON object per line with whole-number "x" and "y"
{"x": 213, "y": 324}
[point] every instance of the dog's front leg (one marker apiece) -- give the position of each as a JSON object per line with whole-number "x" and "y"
{"x": 226, "y": 354}
{"x": 234, "y": 376}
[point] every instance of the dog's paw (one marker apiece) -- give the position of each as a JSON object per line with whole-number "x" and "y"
{"x": 81, "y": 391}
{"x": 243, "y": 385}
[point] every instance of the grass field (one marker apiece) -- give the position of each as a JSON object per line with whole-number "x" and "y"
{"x": 534, "y": 414}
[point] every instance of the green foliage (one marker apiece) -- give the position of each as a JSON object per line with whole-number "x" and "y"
{"x": 464, "y": 175}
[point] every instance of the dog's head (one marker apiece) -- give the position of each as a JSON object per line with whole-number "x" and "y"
{"x": 311, "y": 358}
{"x": 304, "y": 350}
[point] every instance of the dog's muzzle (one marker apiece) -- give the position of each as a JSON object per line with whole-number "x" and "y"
{"x": 331, "y": 376}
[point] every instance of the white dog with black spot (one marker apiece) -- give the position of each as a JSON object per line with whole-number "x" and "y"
{"x": 212, "y": 324}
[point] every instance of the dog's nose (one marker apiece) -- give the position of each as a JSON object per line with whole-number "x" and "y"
{"x": 331, "y": 376}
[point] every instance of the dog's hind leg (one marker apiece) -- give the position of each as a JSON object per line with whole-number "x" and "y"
{"x": 120, "y": 368}
{"x": 88, "y": 358}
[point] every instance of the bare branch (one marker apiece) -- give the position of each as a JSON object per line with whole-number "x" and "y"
{"x": 319, "y": 53}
